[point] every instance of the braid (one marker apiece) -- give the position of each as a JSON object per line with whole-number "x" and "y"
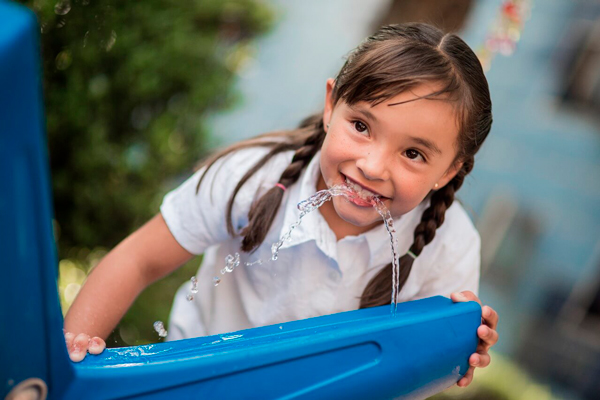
{"x": 262, "y": 213}
{"x": 378, "y": 290}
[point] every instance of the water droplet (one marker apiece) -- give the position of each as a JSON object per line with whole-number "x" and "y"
{"x": 231, "y": 337}
{"x": 280, "y": 327}
{"x": 62, "y": 7}
{"x": 159, "y": 327}
{"x": 194, "y": 284}
{"x": 189, "y": 297}
{"x": 231, "y": 262}
{"x": 216, "y": 280}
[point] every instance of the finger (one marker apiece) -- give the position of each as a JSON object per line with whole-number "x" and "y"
{"x": 466, "y": 380}
{"x": 466, "y": 295}
{"x": 69, "y": 340}
{"x": 80, "y": 346}
{"x": 97, "y": 345}
{"x": 488, "y": 336}
{"x": 480, "y": 360}
{"x": 490, "y": 316}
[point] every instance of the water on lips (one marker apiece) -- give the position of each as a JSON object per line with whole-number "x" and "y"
{"x": 360, "y": 191}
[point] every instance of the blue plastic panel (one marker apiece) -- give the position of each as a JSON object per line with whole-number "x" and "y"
{"x": 30, "y": 317}
{"x": 363, "y": 354}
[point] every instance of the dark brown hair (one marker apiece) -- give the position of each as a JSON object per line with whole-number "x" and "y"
{"x": 396, "y": 58}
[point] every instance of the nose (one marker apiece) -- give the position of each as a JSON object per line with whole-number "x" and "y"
{"x": 373, "y": 166}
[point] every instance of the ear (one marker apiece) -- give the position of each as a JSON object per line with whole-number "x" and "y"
{"x": 328, "y": 110}
{"x": 449, "y": 174}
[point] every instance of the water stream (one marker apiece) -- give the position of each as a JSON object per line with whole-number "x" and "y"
{"x": 314, "y": 202}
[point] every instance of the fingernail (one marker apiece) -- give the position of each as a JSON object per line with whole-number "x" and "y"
{"x": 460, "y": 296}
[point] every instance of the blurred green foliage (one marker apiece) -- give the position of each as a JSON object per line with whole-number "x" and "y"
{"x": 127, "y": 86}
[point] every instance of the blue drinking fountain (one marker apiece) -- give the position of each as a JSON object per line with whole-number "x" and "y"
{"x": 363, "y": 354}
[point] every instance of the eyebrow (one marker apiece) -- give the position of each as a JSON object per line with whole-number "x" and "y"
{"x": 366, "y": 113}
{"x": 426, "y": 143}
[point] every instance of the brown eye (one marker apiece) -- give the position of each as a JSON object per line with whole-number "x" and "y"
{"x": 413, "y": 154}
{"x": 359, "y": 126}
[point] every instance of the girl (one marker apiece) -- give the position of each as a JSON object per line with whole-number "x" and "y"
{"x": 402, "y": 122}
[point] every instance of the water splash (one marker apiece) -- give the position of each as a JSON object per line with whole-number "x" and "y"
{"x": 159, "y": 327}
{"x": 306, "y": 206}
{"x": 314, "y": 202}
{"x": 231, "y": 263}
{"x": 216, "y": 280}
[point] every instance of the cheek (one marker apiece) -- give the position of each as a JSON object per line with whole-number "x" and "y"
{"x": 334, "y": 150}
{"x": 412, "y": 191}
{"x": 341, "y": 147}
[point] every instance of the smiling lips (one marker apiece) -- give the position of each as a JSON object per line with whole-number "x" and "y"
{"x": 362, "y": 192}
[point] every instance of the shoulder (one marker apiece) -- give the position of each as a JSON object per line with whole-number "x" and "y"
{"x": 453, "y": 257}
{"x": 240, "y": 161}
{"x": 458, "y": 231}
{"x": 228, "y": 170}
{"x": 456, "y": 243}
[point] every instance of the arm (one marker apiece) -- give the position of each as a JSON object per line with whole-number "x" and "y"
{"x": 145, "y": 256}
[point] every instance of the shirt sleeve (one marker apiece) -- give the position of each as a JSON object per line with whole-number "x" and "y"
{"x": 457, "y": 265}
{"x": 197, "y": 220}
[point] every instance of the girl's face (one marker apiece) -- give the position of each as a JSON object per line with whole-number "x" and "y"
{"x": 398, "y": 152}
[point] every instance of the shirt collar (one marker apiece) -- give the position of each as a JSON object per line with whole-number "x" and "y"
{"x": 313, "y": 226}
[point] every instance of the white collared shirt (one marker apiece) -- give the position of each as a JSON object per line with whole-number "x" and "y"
{"x": 315, "y": 274}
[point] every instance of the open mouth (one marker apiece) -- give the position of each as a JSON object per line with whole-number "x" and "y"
{"x": 362, "y": 195}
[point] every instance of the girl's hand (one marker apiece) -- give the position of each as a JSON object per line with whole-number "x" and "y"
{"x": 78, "y": 346}
{"x": 486, "y": 332}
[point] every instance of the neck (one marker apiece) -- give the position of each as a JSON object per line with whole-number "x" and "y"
{"x": 340, "y": 227}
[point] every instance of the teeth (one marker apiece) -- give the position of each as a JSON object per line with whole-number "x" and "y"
{"x": 363, "y": 193}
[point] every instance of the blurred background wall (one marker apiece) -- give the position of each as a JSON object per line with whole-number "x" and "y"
{"x": 137, "y": 93}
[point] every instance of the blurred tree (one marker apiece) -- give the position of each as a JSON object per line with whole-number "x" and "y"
{"x": 127, "y": 86}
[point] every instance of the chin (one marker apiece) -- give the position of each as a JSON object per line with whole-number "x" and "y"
{"x": 357, "y": 215}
